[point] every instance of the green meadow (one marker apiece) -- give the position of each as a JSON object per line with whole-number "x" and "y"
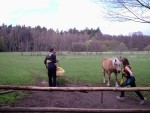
{"x": 82, "y": 68}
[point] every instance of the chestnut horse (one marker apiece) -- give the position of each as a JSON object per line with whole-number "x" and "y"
{"x": 111, "y": 65}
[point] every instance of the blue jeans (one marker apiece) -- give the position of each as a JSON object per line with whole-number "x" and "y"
{"x": 130, "y": 81}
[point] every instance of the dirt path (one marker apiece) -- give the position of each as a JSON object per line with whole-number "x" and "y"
{"x": 77, "y": 99}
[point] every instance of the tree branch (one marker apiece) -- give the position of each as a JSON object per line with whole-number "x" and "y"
{"x": 146, "y": 6}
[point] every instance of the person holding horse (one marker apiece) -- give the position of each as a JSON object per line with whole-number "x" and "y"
{"x": 51, "y": 64}
{"x": 130, "y": 80}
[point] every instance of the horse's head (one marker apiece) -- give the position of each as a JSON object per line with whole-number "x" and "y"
{"x": 116, "y": 64}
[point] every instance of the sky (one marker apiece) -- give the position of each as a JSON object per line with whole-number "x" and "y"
{"x": 63, "y": 15}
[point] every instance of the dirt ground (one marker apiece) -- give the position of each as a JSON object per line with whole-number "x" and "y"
{"x": 77, "y": 99}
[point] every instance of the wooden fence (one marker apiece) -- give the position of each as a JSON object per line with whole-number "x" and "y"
{"x": 35, "y": 88}
{"x": 78, "y": 110}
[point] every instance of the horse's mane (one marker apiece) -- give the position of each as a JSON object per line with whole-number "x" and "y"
{"x": 115, "y": 60}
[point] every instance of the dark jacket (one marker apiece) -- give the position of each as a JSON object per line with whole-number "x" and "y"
{"x": 50, "y": 60}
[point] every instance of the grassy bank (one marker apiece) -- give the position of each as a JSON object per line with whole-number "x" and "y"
{"x": 19, "y": 70}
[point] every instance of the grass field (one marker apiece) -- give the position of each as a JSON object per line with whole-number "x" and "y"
{"x": 18, "y": 69}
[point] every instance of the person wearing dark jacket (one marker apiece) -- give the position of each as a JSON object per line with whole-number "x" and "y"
{"x": 50, "y": 63}
{"x": 130, "y": 80}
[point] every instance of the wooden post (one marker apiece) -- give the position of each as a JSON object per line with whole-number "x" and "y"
{"x": 102, "y": 97}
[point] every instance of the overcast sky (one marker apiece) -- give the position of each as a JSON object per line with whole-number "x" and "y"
{"x": 63, "y": 15}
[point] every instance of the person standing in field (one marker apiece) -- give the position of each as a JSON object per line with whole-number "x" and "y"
{"x": 50, "y": 63}
{"x": 130, "y": 80}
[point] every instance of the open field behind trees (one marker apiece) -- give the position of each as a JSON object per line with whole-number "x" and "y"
{"x": 18, "y": 68}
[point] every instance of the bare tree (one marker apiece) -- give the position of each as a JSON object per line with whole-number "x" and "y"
{"x": 127, "y": 10}
{"x": 147, "y": 48}
{"x": 122, "y": 47}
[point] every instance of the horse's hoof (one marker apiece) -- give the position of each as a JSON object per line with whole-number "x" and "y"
{"x": 104, "y": 81}
{"x": 108, "y": 84}
{"x": 117, "y": 85}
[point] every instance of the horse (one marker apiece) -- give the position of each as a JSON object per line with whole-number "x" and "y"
{"x": 111, "y": 65}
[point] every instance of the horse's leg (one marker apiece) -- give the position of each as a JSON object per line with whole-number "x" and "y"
{"x": 104, "y": 80}
{"x": 116, "y": 84}
{"x": 108, "y": 82}
{"x": 103, "y": 70}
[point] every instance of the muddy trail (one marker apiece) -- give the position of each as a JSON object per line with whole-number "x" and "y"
{"x": 77, "y": 99}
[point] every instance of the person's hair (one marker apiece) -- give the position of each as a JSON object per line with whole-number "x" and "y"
{"x": 51, "y": 50}
{"x": 125, "y": 61}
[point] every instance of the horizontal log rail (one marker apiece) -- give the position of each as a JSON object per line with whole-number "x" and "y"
{"x": 6, "y": 92}
{"x": 35, "y": 88}
{"x": 79, "y": 110}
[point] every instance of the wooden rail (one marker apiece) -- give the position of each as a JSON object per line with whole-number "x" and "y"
{"x": 74, "y": 110}
{"x": 6, "y": 92}
{"x": 35, "y": 88}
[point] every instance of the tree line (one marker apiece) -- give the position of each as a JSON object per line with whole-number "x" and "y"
{"x": 28, "y": 39}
